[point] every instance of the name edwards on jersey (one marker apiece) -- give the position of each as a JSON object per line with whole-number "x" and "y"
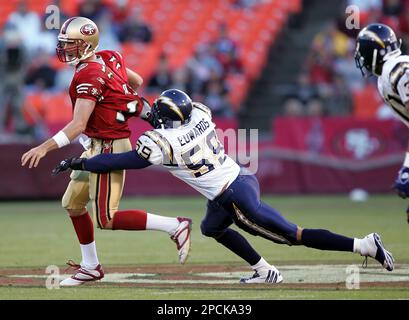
{"x": 195, "y": 132}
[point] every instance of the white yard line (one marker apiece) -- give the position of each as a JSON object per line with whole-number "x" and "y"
{"x": 292, "y": 274}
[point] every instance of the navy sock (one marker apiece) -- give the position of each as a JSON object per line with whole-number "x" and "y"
{"x": 235, "y": 242}
{"x": 326, "y": 240}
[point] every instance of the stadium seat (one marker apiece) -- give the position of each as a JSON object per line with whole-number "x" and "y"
{"x": 178, "y": 27}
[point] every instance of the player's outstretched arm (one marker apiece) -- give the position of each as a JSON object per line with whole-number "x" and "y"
{"x": 134, "y": 79}
{"x": 104, "y": 163}
{"x": 82, "y": 112}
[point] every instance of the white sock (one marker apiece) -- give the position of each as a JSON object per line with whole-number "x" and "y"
{"x": 357, "y": 245}
{"x": 89, "y": 255}
{"x": 160, "y": 223}
{"x": 261, "y": 265}
{"x": 365, "y": 247}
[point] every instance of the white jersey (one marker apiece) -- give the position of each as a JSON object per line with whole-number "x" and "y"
{"x": 393, "y": 85}
{"x": 192, "y": 153}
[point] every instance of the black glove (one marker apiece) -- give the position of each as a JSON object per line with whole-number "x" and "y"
{"x": 402, "y": 183}
{"x": 71, "y": 163}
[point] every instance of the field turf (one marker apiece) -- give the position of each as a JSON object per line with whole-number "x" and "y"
{"x": 35, "y": 235}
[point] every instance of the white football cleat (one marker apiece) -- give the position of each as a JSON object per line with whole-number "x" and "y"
{"x": 182, "y": 238}
{"x": 82, "y": 275}
{"x": 376, "y": 249}
{"x": 271, "y": 275}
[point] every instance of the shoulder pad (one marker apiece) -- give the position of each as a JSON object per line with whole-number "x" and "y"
{"x": 202, "y": 108}
{"x": 163, "y": 144}
{"x": 397, "y": 73}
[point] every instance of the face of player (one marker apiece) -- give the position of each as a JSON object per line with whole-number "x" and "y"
{"x": 69, "y": 51}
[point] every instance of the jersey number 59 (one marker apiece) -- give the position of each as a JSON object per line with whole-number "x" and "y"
{"x": 194, "y": 158}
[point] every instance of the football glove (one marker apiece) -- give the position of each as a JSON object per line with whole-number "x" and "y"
{"x": 71, "y": 163}
{"x": 402, "y": 183}
{"x": 146, "y": 113}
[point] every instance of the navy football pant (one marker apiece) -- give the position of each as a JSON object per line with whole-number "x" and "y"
{"x": 241, "y": 204}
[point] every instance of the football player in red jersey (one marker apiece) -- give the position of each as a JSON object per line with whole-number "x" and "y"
{"x": 104, "y": 97}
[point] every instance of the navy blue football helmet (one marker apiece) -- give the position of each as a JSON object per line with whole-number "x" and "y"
{"x": 171, "y": 109}
{"x": 374, "y": 45}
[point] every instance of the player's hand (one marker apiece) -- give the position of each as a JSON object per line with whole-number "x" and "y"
{"x": 71, "y": 163}
{"x": 402, "y": 183}
{"x": 33, "y": 156}
{"x": 146, "y": 113}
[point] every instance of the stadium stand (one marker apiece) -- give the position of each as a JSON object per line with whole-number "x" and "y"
{"x": 179, "y": 28}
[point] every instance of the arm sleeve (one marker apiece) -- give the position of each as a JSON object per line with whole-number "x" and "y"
{"x": 104, "y": 163}
{"x": 89, "y": 85}
{"x": 149, "y": 150}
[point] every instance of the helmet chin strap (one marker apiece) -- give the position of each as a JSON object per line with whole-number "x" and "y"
{"x": 85, "y": 56}
{"x": 89, "y": 54}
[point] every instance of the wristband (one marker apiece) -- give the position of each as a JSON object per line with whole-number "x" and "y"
{"x": 61, "y": 139}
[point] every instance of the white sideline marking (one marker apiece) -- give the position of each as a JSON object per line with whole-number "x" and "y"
{"x": 292, "y": 274}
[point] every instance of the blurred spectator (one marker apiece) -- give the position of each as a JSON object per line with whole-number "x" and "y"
{"x": 305, "y": 90}
{"x": 134, "y": 29}
{"x": 243, "y": 4}
{"x": 216, "y": 98}
{"x": 46, "y": 41}
{"x": 321, "y": 71}
{"x": 201, "y": 65}
{"x": 404, "y": 26}
{"x": 330, "y": 41}
{"x": 41, "y": 76}
{"x": 293, "y": 108}
{"x": 92, "y": 9}
{"x": 108, "y": 39}
{"x": 226, "y": 51}
{"x": 315, "y": 108}
{"x": 181, "y": 79}
{"x": 392, "y": 7}
{"x": 120, "y": 11}
{"x": 329, "y": 47}
{"x": 13, "y": 61}
{"x": 162, "y": 77}
{"x": 346, "y": 69}
{"x": 27, "y": 24}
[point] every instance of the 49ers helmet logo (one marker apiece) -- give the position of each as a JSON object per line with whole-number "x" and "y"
{"x": 88, "y": 30}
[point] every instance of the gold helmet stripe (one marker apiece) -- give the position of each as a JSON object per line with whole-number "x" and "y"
{"x": 172, "y": 106}
{"x": 374, "y": 37}
{"x": 163, "y": 144}
{"x": 65, "y": 25}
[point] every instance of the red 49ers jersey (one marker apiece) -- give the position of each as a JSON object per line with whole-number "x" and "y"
{"x": 105, "y": 82}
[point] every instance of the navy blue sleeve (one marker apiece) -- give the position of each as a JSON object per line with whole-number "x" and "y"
{"x": 103, "y": 163}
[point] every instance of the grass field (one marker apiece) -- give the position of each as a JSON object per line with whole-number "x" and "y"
{"x": 143, "y": 265}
